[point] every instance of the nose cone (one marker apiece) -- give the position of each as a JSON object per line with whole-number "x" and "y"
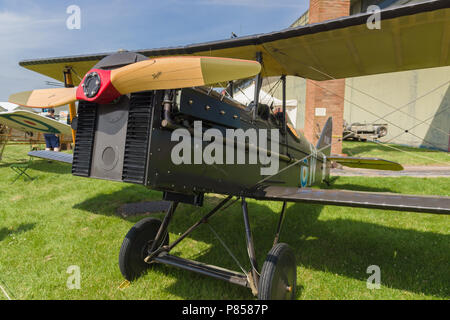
{"x": 91, "y": 84}
{"x": 97, "y": 87}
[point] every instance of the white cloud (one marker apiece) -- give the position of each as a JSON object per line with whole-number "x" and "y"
{"x": 21, "y": 34}
{"x": 19, "y": 31}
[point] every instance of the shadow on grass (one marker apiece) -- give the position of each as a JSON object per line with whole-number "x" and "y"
{"x": 43, "y": 166}
{"x": 410, "y": 260}
{"x": 51, "y": 167}
{"x": 108, "y": 204}
{"x": 24, "y": 227}
{"x": 352, "y": 187}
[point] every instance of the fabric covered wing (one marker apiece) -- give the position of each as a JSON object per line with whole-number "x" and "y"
{"x": 411, "y": 37}
{"x": 376, "y": 200}
{"x": 27, "y": 121}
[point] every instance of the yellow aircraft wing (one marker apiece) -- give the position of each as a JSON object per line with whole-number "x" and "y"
{"x": 411, "y": 37}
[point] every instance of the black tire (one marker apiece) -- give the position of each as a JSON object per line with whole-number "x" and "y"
{"x": 135, "y": 247}
{"x": 278, "y": 279}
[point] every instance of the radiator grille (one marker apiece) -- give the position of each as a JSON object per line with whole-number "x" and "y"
{"x": 87, "y": 113}
{"x": 138, "y": 133}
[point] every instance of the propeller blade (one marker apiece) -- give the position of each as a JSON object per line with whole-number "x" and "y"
{"x": 180, "y": 72}
{"x": 44, "y": 98}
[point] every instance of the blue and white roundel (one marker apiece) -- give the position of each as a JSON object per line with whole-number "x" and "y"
{"x": 304, "y": 172}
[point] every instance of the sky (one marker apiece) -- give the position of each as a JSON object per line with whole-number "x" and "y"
{"x": 38, "y": 29}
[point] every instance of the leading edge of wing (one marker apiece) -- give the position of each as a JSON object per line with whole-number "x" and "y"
{"x": 375, "y": 200}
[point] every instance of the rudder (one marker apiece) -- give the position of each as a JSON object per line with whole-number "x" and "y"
{"x": 324, "y": 143}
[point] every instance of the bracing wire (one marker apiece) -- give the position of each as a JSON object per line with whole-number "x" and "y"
{"x": 380, "y": 118}
{"x": 372, "y": 113}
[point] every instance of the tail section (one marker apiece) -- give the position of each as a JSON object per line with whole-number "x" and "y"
{"x": 324, "y": 143}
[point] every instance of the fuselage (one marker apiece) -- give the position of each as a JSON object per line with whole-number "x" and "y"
{"x": 135, "y": 138}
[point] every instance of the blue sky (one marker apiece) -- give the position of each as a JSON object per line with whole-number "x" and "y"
{"x": 37, "y": 29}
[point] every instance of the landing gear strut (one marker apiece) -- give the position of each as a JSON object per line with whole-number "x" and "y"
{"x": 148, "y": 242}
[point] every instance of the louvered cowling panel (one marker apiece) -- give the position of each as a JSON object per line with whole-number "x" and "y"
{"x": 137, "y": 139}
{"x": 82, "y": 155}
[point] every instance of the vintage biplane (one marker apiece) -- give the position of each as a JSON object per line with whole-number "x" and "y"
{"x": 130, "y": 103}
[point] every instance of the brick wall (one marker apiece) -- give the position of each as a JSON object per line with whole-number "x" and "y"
{"x": 317, "y": 98}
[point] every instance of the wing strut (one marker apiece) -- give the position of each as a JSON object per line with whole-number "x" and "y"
{"x": 258, "y": 82}
{"x": 68, "y": 83}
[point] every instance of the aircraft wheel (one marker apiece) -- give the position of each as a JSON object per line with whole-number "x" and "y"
{"x": 278, "y": 279}
{"x": 135, "y": 247}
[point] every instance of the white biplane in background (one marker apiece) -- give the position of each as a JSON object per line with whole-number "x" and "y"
{"x": 20, "y": 125}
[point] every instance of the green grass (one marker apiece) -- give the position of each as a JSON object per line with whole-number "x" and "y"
{"x": 59, "y": 220}
{"x": 409, "y": 156}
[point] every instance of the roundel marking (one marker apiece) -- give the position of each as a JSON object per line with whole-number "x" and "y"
{"x": 304, "y": 172}
{"x": 31, "y": 123}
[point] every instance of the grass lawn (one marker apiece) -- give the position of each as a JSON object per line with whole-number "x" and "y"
{"x": 59, "y": 220}
{"x": 411, "y": 156}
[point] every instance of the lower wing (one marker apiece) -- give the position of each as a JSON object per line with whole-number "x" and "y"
{"x": 376, "y": 200}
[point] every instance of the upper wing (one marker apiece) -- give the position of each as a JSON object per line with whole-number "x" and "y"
{"x": 367, "y": 163}
{"x": 376, "y": 200}
{"x": 411, "y": 37}
{"x": 27, "y": 121}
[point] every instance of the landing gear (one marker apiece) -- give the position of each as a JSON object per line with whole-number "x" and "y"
{"x": 147, "y": 243}
{"x": 278, "y": 278}
{"x": 136, "y": 245}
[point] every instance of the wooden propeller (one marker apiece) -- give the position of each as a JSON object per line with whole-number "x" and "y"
{"x": 103, "y": 86}
{"x": 44, "y": 98}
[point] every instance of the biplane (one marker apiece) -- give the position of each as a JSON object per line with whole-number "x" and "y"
{"x": 131, "y": 103}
